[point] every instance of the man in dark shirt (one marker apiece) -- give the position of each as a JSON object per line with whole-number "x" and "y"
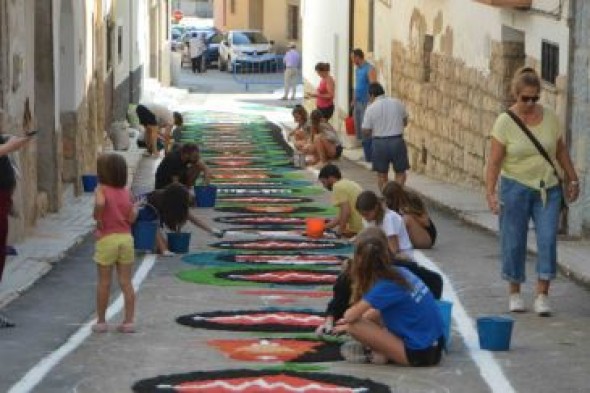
{"x": 183, "y": 166}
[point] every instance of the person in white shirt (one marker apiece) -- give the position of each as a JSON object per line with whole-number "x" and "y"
{"x": 196, "y": 48}
{"x": 292, "y": 62}
{"x": 384, "y": 121}
{"x": 376, "y": 215}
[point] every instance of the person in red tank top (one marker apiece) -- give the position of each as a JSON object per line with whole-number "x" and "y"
{"x": 325, "y": 91}
{"x": 114, "y": 213}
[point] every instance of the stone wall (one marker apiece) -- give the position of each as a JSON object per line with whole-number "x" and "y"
{"x": 121, "y": 99}
{"x": 127, "y": 92}
{"x": 579, "y": 217}
{"x": 452, "y": 109}
{"x": 80, "y": 140}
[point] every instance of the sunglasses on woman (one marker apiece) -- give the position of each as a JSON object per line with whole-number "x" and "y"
{"x": 532, "y": 99}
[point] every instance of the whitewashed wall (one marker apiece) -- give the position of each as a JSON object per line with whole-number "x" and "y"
{"x": 325, "y": 39}
{"x": 473, "y": 26}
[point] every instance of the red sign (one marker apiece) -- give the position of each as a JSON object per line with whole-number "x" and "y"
{"x": 178, "y": 15}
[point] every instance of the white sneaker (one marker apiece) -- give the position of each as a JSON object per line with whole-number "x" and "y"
{"x": 542, "y": 307}
{"x": 516, "y": 303}
{"x": 168, "y": 254}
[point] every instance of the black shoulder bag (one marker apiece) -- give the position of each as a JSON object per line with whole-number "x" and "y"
{"x": 541, "y": 150}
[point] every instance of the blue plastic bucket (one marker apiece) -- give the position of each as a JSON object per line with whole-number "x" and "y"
{"x": 446, "y": 313}
{"x": 144, "y": 235}
{"x": 145, "y": 229}
{"x": 205, "y": 196}
{"x": 89, "y": 182}
{"x": 178, "y": 242}
{"x": 494, "y": 332}
{"x": 368, "y": 148}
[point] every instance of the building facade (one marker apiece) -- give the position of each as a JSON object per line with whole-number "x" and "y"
{"x": 194, "y": 8}
{"x": 452, "y": 62}
{"x": 78, "y": 65}
{"x": 279, "y": 20}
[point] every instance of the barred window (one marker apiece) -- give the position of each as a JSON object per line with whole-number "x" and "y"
{"x": 549, "y": 61}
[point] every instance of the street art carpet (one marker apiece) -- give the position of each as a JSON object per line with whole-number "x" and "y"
{"x": 273, "y": 244}
{"x": 297, "y": 350}
{"x": 258, "y": 381}
{"x": 266, "y": 252}
{"x": 244, "y": 258}
{"x": 259, "y": 276}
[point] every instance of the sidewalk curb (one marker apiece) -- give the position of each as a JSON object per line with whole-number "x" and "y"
{"x": 41, "y": 250}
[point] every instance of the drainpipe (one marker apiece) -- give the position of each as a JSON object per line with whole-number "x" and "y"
{"x": 571, "y": 23}
{"x": 351, "y": 5}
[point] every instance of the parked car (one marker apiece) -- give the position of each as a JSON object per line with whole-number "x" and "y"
{"x": 245, "y": 48}
{"x": 213, "y": 38}
{"x": 175, "y": 39}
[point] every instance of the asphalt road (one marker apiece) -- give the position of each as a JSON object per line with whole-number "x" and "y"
{"x": 547, "y": 354}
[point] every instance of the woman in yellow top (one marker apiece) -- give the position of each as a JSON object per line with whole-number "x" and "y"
{"x": 529, "y": 188}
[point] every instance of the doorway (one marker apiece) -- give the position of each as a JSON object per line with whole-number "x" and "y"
{"x": 513, "y": 57}
{"x": 256, "y": 14}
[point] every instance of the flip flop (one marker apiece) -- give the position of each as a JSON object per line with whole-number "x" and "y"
{"x": 100, "y": 328}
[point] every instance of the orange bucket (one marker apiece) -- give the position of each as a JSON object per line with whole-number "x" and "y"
{"x": 315, "y": 227}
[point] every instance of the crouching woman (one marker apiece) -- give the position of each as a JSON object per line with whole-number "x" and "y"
{"x": 393, "y": 316}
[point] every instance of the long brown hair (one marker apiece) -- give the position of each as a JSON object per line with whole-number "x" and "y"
{"x": 401, "y": 200}
{"x": 175, "y": 206}
{"x": 300, "y": 110}
{"x": 111, "y": 169}
{"x": 368, "y": 201}
{"x": 372, "y": 262}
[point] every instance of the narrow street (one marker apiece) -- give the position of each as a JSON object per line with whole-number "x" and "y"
{"x": 547, "y": 354}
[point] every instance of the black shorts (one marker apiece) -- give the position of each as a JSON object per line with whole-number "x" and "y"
{"x": 327, "y": 112}
{"x": 339, "y": 150}
{"x": 426, "y": 357}
{"x": 146, "y": 117}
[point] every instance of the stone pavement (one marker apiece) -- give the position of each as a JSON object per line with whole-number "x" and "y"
{"x": 470, "y": 205}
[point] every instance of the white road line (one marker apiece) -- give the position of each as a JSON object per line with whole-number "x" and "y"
{"x": 489, "y": 368}
{"x": 36, "y": 374}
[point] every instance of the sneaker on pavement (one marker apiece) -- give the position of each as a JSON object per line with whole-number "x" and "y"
{"x": 354, "y": 352}
{"x": 516, "y": 303}
{"x": 542, "y": 307}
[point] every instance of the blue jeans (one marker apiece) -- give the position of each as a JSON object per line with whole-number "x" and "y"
{"x": 358, "y": 114}
{"x": 518, "y": 204}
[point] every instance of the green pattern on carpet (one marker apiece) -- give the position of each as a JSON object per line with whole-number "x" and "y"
{"x": 207, "y": 276}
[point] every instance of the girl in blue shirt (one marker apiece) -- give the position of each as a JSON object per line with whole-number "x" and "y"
{"x": 393, "y": 316}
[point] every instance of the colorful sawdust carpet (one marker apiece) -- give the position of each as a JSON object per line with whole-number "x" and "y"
{"x": 258, "y": 381}
{"x": 280, "y": 321}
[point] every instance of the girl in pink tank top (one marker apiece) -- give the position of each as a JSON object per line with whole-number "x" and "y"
{"x": 114, "y": 213}
{"x": 324, "y": 93}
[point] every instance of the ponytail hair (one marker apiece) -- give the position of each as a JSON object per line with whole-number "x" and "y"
{"x": 525, "y": 77}
{"x": 401, "y": 200}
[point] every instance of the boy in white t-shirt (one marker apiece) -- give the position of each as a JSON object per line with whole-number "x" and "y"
{"x": 375, "y": 215}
